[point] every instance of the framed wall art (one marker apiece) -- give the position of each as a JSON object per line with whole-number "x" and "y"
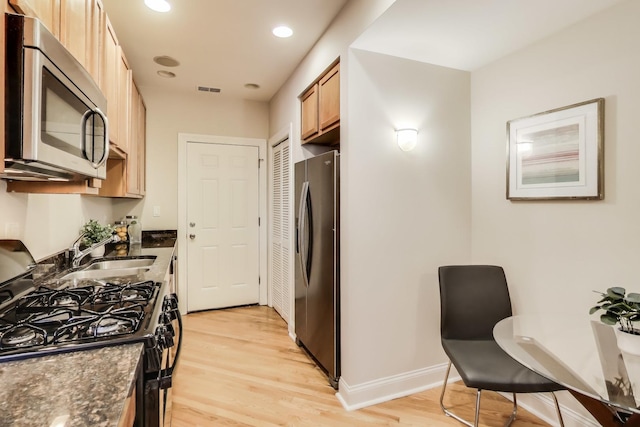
{"x": 557, "y": 154}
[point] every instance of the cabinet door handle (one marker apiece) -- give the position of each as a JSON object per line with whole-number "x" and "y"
{"x": 192, "y": 236}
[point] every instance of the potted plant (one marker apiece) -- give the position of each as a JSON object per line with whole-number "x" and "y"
{"x": 622, "y": 309}
{"x": 93, "y": 233}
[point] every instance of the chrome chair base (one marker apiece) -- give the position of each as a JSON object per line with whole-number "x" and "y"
{"x": 514, "y": 412}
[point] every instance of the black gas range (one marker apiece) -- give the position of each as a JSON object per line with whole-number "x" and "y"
{"x": 42, "y": 317}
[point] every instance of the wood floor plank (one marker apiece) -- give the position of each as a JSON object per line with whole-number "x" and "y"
{"x": 239, "y": 367}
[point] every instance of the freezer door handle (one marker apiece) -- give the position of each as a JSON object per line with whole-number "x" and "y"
{"x": 302, "y": 232}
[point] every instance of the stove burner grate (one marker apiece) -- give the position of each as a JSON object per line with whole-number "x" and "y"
{"x": 92, "y": 324}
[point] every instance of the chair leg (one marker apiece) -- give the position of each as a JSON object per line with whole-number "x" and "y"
{"x": 560, "y": 420}
{"x": 514, "y": 411}
{"x": 477, "y": 419}
{"x": 445, "y": 410}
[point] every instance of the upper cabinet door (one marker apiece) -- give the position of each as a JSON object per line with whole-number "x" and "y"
{"x": 95, "y": 39}
{"x": 47, "y": 11}
{"x": 123, "y": 102}
{"x": 329, "y": 102}
{"x": 309, "y": 102}
{"x": 74, "y": 28}
{"x": 109, "y": 78}
{"x": 320, "y": 109}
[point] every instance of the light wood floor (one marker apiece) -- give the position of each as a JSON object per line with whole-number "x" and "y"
{"x": 240, "y": 368}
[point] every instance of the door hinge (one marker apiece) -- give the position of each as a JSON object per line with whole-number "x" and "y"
{"x": 258, "y": 221}
{"x": 258, "y": 280}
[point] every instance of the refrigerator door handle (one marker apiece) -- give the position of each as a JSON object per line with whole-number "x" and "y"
{"x": 302, "y": 231}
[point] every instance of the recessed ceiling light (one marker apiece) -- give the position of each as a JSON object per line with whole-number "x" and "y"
{"x": 166, "y": 74}
{"x": 166, "y": 61}
{"x": 282, "y": 32}
{"x": 158, "y": 5}
{"x": 252, "y": 86}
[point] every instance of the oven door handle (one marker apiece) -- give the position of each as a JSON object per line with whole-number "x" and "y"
{"x": 165, "y": 375}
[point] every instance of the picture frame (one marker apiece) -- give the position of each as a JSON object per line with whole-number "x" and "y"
{"x": 557, "y": 154}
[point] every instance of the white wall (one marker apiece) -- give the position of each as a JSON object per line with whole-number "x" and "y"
{"x": 555, "y": 253}
{"x": 202, "y": 113}
{"x": 48, "y": 223}
{"x": 403, "y": 215}
{"x": 562, "y": 250}
{"x": 284, "y": 108}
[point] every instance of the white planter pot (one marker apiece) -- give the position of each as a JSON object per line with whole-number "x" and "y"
{"x": 97, "y": 252}
{"x": 628, "y": 343}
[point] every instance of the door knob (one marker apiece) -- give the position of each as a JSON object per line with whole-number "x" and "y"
{"x": 192, "y": 224}
{"x": 192, "y": 236}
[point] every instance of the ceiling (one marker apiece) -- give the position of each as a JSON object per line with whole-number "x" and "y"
{"x": 228, "y": 43}
{"x": 223, "y": 44}
{"x": 467, "y": 34}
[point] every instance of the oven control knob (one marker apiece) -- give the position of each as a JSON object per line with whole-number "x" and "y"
{"x": 161, "y": 334}
{"x": 170, "y": 302}
{"x": 168, "y": 339}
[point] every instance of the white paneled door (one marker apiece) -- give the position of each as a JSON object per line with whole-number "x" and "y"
{"x": 222, "y": 224}
{"x": 281, "y": 230}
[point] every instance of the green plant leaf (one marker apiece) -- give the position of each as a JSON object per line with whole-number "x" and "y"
{"x": 608, "y": 319}
{"x": 594, "y": 309}
{"x": 633, "y": 298}
{"x": 616, "y": 292}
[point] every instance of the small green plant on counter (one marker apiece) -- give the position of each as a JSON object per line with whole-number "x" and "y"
{"x": 94, "y": 232}
{"x": 619, "y": 307}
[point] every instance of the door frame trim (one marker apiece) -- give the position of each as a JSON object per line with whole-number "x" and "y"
{"x": 183, "y": 140}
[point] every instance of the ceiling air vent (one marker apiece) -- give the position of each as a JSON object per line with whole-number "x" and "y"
{"x": 208, "y": 89}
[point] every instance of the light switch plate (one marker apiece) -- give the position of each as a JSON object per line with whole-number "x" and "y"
{"x": 156, "y": 211}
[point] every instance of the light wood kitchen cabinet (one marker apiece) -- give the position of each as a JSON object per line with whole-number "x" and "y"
{"x": 320, "y": 109}
{"x": 133, "y": 167}
{"x": 109, "y": 82}
{"x": 84, "y": 28}
{"x": 71, "y": 21}
{"x": 126, "y": 177}
{"x": 3, "y": 9}
{"x": 329, "y": 99}
{"x": 95, "y": 36}
{"x": 47, "y": 11}
{"x": 74, "y": 28}
{"x": 309, "y": 104}
{"x": 141, "y": 136}
{"x": 123, "y": 101}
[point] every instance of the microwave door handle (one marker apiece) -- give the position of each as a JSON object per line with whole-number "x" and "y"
{"x": 105, "y": 153}
{"x": 107, "y": 147}
{"x": 83, "y": 133}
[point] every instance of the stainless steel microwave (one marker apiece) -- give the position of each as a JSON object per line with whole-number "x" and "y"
{"x": 55, "y": 115}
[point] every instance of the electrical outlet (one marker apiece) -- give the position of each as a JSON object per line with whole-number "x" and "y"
{"x": 156, "y": 211}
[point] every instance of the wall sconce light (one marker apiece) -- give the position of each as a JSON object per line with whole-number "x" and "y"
{"x": 407, "y": 139}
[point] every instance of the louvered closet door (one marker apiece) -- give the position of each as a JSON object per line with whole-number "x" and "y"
{"x": 281, "y": 230}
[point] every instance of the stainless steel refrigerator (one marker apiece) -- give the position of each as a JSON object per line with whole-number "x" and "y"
{"x": 317, "y": 284}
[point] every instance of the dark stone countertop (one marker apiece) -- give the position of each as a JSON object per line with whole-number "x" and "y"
{"x": 78, "y": 389}
{"x": 85, "y": 388}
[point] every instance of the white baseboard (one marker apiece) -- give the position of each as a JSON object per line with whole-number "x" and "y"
{"x": 384, "y": 389}
{"x": 373, "y": 392}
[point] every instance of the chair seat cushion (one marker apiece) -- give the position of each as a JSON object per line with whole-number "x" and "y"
{"x": 482, "y": 364}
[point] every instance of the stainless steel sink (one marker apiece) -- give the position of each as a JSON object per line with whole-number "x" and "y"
{"x": 121, "y": 264}
{"x": 104, "y": 274}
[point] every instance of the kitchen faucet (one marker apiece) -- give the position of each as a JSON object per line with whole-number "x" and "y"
{"x": 77, "y": 255}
